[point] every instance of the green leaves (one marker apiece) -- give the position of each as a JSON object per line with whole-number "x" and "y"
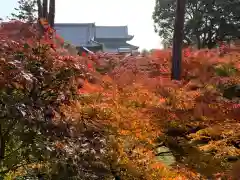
{"x": 206, "y": 22}
{"x": 225, "y": 70}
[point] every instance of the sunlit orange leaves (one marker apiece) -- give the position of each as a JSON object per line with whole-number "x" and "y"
{"x": 89, "y": 88}
{"x": 176, "y": 178}
{"x": 59, "y": 145}
{"x": 157, "y": 165}
{"x": 124, "y": 132}
{"x": 107, "y": 79}
{"x": 82, "y": 91}
{"x": 161, "y": 54}
{"x": 162, "y": 100}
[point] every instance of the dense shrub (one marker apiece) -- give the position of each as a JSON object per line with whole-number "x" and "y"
{"x": 35, "y": 82}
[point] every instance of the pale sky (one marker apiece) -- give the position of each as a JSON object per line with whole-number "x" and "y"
{"x": 137, "y": 14}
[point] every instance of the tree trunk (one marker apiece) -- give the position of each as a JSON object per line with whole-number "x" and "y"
{"x": 210, "y": 43}
{"x": 178, "y": 40}
{"x": 198, "y": 42}
{"x": 45, "y": 9}
{"x": 2, "y": 144}
{"x": 40, "y": 9}
{"x": 51, "y": 16}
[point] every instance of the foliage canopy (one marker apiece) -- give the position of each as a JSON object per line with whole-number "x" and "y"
{"x": 206, "y": 21}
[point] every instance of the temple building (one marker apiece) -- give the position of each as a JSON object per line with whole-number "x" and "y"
{"x": 113, "y": 38}
{"x": 88, "y": 35}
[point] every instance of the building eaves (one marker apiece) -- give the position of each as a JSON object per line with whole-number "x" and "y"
{"x": 74, "y": 24}
{"x": 113, "y": 32}
{"x": 132, "y": 46}
{"x": 120, "y": 45}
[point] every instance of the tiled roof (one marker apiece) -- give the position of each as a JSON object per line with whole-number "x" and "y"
{"x": 74, "y": 24}
{"x": 76, "y": 34}
{"x": 112, "y": 32}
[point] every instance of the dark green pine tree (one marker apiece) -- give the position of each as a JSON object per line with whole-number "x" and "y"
{"x": 26, "y": 11}
{"x": 32, "y": 10}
